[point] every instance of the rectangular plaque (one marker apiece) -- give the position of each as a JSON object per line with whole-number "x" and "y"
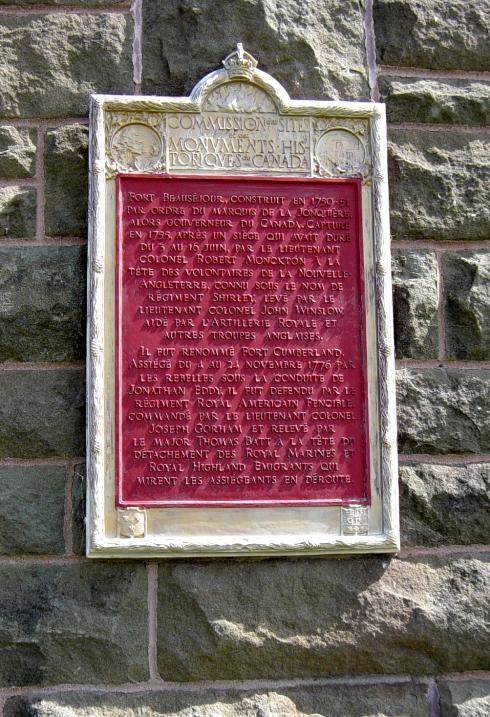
{"x": 240, "y": 351}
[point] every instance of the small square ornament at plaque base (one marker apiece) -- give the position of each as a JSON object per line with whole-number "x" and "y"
{"x": 131, "y": 523}
{"x": 355, "y": 520}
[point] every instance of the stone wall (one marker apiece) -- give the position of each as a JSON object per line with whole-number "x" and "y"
{"x": 356, "y": 637}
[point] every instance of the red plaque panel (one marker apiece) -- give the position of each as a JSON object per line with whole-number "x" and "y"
{"x": 240, "y": 342}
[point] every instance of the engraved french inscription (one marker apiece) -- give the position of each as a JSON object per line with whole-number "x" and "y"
{"x": 240, "y": 335}
{"x": 240, "y": 137}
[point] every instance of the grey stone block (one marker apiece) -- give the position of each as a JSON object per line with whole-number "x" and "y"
{"x": 317, "y": 617}
{"x": 17, "y": 152}
{"x": 17, "y": 212}
{"x": 70, "y": 3}
{"x": 42, "y": 317}
{"x": 315, "y": 49}
{"x": 66, "y": 174}
{"x": 436, "y": 101}
{"x": 439, "y": 184}
{"x": 32, "y": 509}
{"x": 445, "y": 504}
{"x": 465, "y": 697}
{"x": 466, "y": 282}
{"x": 73, "y": 622}
{"x": 64, "y": 58}
{"x": 415, "y": 300}
{"x": 443, "y": 411}
{"x": 450, "y": 35}
{"x": 382, "y": 700}
{"x": 42, "y": 413}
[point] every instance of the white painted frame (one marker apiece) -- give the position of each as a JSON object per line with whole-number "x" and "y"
{"x": 181, "y": 532}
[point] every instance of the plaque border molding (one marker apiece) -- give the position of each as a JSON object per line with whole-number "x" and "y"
{"x": 104, "y": 538}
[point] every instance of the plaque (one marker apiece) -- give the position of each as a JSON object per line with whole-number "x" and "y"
{"x": 241, "y": 363}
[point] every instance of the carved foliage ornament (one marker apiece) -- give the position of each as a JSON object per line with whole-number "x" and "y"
{"x": 239, "y": 97}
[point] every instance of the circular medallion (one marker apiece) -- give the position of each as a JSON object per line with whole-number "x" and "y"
{"x": 137, "y": 147}
{"x": 340, "y": 151}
